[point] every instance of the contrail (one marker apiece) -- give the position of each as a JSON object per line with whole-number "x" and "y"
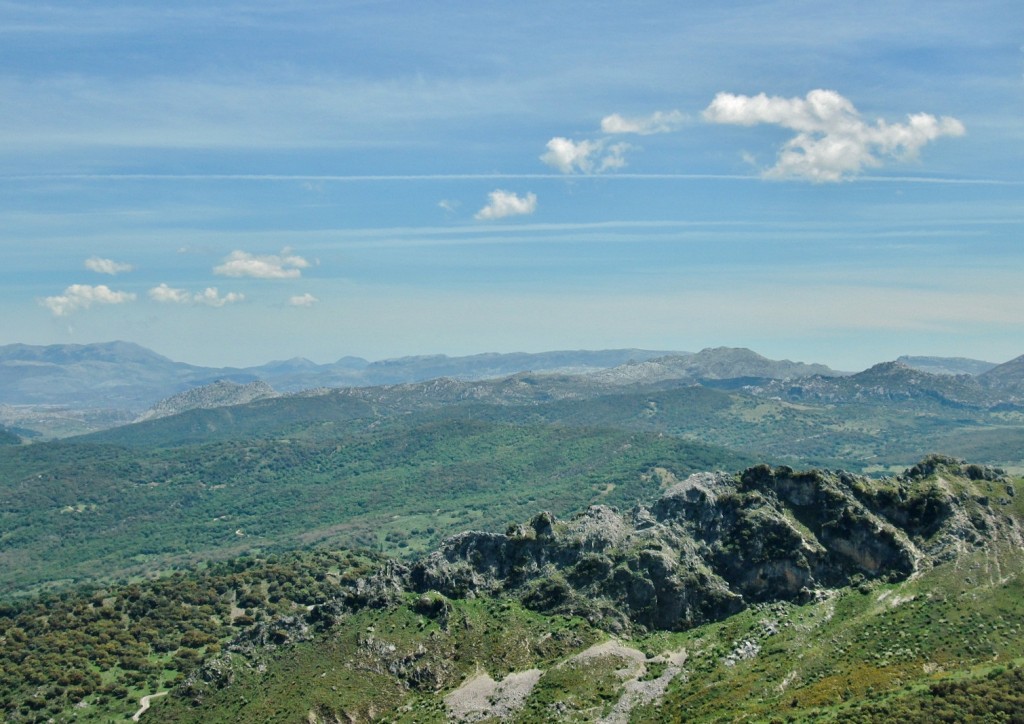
{"x": 377, "y": 178}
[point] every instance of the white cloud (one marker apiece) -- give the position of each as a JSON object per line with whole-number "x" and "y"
{"x": 83, "y": 296}
{"x": 570, "y": 156}
{"x": 833, "y": 141}
{"x": 657, "y": 122}
{"x": 303, "y": 300}
{"x": 448, "y": 205}
{"x": 271, "y": 266}
{"x": 164, "y": 293}
{"x": 209, "y": 297}
{"x": 507, "y": 203}
{"x": 212, "y": 298}
{"x": 106, "y": 266}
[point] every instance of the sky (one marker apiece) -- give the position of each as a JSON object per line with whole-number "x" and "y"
{"x": 229, "y": 183}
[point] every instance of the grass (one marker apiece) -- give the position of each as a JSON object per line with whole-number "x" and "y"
{"x": 856, "y": 648}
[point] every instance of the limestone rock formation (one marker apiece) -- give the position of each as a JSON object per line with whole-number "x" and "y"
{"x": 715, "y": 543}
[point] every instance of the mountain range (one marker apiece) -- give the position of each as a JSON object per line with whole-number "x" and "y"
{"x": 127, "y": 376}
{"x": 560, "y": 543}
{"x": 61, "y": 390}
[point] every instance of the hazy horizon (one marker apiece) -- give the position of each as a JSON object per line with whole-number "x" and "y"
{"x": 233, "y": 184}
{"x": 213, "y": 363}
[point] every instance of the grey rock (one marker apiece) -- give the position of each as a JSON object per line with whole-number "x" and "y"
{"x": 715, "y": 543}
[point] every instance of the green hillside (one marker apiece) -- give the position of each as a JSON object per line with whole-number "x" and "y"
{"x": 885, "y": 417}
{"x": 335, "y": 636}
{"x": 77, "y": 510}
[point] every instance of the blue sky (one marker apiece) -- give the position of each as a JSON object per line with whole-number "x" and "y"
{"x": 231, "y": 183}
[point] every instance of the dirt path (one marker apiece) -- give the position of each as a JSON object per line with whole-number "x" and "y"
{"x": 144, "y": 704}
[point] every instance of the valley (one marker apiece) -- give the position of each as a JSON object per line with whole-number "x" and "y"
{"x": 704, "y": 536}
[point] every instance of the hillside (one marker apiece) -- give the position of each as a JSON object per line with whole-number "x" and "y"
{"x": 975, "y": 414}
{"x": 78, "y": 510}
{"x": 1008, "y": 376}
{"x": 720, "y": 363}
{"x": 890, "y": 382}
{"x": 115, "y": 375}
{"x": 946, "y": 365}
{"x": 222, "y": 393}
{"x": 877, "y": 419}
{"x": 811, "y": 594}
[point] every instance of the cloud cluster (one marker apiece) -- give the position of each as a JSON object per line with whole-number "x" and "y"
{"x": 237, "y": 264}
{"x": 507, "y": 203}
{"x": 270, "y": 266}
{"x": 209, "y": 297}
{"x": 106, "y": 266}
{"x": 83, "y": 296}
{"x": 601, "y": 154}
{"x": 596, "y": 156}
{"x": 832, "y": 140}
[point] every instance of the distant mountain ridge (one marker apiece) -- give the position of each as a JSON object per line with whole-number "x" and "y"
{"x": 522, "y": 388}
{"x": 895, "y": 381}
{"x": 718, "y": 363}
{"x": 73, "y": 389}
{"x": 1009, "y": 375}
{"x": 127, "y": 376}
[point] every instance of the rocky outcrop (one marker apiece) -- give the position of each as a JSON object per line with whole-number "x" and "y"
{"x": 714, "y": 543}
{"x": 221, "y": 393}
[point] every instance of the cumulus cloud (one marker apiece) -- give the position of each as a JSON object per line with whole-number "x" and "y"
{"x": 271, "y": 266}
{"x": 212, "y": 298}
{"x": 303, "y": 300}
{"x": 209, "y": 297}
{"x": 164, "y": 293}
{"x": 657, "y": 122}
{"x": 832, "y": 140}
{"x": 569, "y": 156}
{"x": 106, "y": 266}
{"x": 507, "y": 203}
{"x": 83, "y": 296}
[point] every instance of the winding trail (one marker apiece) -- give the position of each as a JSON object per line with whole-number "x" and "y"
{"x": 144, "y": 704}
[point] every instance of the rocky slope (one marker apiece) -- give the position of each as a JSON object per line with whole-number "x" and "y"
{"x": 222, "y": 393}
{"x": 713, "y": 544}
{"x": 819, "y": 593}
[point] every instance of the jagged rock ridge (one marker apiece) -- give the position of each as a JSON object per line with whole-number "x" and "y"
{"x": 715, "y": 543}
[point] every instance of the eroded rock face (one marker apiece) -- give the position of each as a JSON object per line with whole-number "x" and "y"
{"x": 714, "y": 543}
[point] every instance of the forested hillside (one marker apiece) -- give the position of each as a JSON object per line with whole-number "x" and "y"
{"x": 587, "y": 627}
{"x": 75, "y": 511}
